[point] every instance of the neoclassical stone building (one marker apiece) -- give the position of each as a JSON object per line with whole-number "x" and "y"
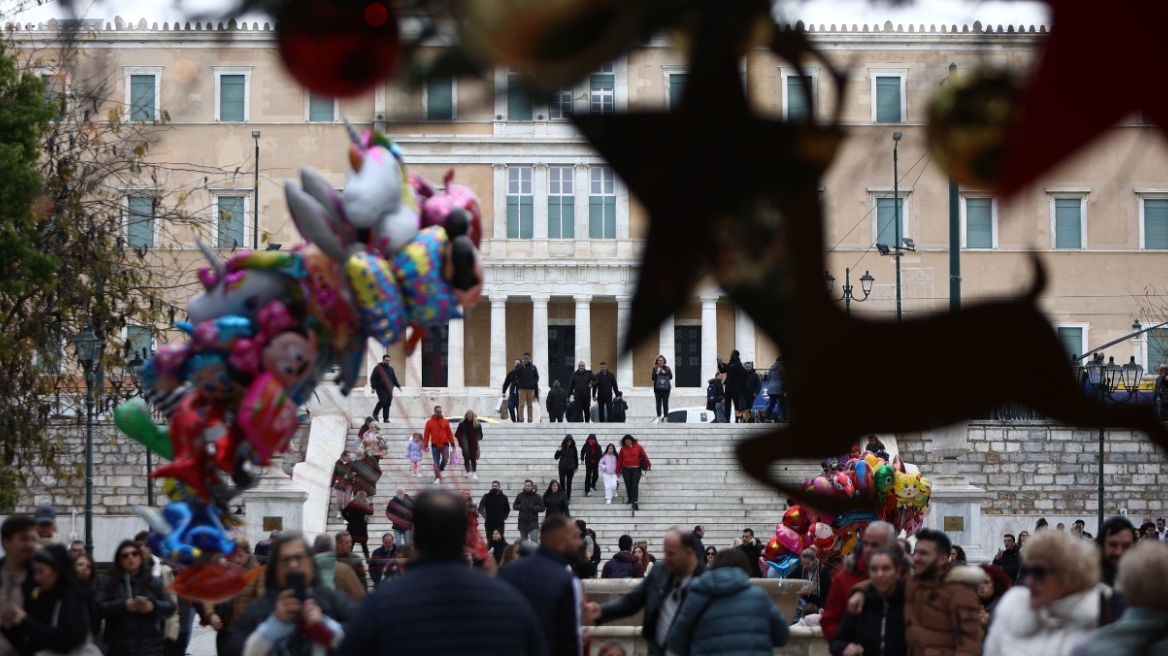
{"x": 563, "y": 234}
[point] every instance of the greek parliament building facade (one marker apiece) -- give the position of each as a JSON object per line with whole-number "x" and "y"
{"x": 563, "y": 235}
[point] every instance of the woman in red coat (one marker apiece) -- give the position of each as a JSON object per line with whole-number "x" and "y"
{"x": 630, "y": 462}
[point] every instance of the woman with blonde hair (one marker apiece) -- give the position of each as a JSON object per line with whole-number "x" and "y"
{"x": 468, "y": 435}
{"x": 1059, "y": 605}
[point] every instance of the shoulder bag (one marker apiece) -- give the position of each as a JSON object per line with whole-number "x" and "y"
{"x": 87, "y": 648}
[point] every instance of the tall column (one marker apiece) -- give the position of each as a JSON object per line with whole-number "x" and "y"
{"x": 414, "y": 366}
{"x": 744, "y": 335}
{"x": 667, "y": 337}
{"x": 584, "y": 331}
{"x": 455, "y": 367}
{"x": 624, "y": 366}
{"x": 539, "y": 338}
{"x": 709, "y": 334}
{"x": 499, "y": 366}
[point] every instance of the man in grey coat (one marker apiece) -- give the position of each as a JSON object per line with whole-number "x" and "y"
{"x": 777, "y": 390}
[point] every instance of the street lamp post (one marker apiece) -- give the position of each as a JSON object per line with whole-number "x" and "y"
{"x": 1105, "y": 379}
{"x": 255, "y": 232}
{"x": 89, "y": 352}
{"x": 866, "y": 281}
{"x": 896, "y": 211}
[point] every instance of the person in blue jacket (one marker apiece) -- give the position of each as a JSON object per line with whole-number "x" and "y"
{"x": 724, "y": 614}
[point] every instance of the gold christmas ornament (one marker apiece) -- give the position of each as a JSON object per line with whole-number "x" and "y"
{"x": 969, "y": 119}
{"x": 555, "y": 42}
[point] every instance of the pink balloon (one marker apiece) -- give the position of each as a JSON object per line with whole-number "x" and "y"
{"x": 789, "y": 538}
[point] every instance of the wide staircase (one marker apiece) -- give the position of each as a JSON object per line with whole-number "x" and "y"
{"x": 695, "y": 479}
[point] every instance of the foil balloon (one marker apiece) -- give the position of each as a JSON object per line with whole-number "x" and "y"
{"x": 214, "y": 582}
{"x": 781, "y": 567}
{"x": 795, "y": 518}
{"x": 133, "y": 418}
{"x": 773, "y": 549}
{"x": 787, "y": 537}
{"x": 338, "y": 48}
{"x": 822, "y": 536}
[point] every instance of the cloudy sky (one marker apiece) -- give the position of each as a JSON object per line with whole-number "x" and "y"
{"x": 949, "y": 12}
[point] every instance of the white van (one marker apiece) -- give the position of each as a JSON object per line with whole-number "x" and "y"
{"x": 694, "y": 415}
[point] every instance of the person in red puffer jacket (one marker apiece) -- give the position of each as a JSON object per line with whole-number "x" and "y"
{"x": 631, "y": 460}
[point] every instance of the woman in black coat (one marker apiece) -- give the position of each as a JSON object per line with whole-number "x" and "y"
{"x": 569, "y": 459}
{"x": 56, "y": 618}
{"x": 133, "y": 627}
{"x": 554, "y": 500}
{"x": 468, "y": 436}
{"x": 662, "y": 378}
{"x": 86, "y": 572}
{"x": 879, "y": 628}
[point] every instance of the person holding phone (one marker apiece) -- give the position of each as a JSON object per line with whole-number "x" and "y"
{"x": 133, "y": 605}
{"x": 298, "y": 613}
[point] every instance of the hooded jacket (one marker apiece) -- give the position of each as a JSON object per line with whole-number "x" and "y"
{"x": 637, "y": 570}
{"x": 1053, "y": 630}
{"x": 941, "y": 614}
{"x": 776, "y": 379}
{"x": 567, "y": 456}
{"x": 630, "y": 456}
{"x": 879, "y": 628}
{"x": 724, "y": 614}
{"x": 556, "y": 504}
{"x": 591, "y": 452}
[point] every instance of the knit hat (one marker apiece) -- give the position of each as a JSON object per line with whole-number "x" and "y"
{"x": 45, "y": 514}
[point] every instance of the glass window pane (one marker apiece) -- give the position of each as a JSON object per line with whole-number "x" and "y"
{"x": 979, "y": 223}
{"x": 1071, "y": 339}
{"x": 321, "y": 108}
{"x": 1068, "y": 223}
{"x": 440, "y": 98}
{"x": 1156, "y": 223}
{"x": 797, "y": 104}
{"x": 519, "y": 106}
{"x": 886, "y": 221}
{"x": 560, "y": 105}
{"x": 231, "y": 222}
{"x": 142, "y": 97}
{"x": 888, "y": 108}
{"x": 1157, "y": 349}
{"x": 139, "y": 342}
{"x": 141, "y": 221}
{"x": 676, "y": 88}
{"x": 232, "y": 90}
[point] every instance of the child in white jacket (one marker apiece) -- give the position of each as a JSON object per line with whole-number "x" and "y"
{"x": 608, "y": 470}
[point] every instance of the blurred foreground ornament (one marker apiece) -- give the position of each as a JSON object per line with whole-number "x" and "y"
{"x": 339, "y": 48}
{"x": 555, "y": 42}
{"x": 969, "y": 119}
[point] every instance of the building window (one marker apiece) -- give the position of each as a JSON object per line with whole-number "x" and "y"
{"x": 322, "y": 109}
{"x": 520, "y": 204}
{"x": 440, "y": 98}
{"x": 1157, "y": 349}
{"x": 602, "y": 85}
{"x": 796, "y": 106}
{"x": 231, "y": 221}
{"x": 886, "y": 220}
{"x": 139, "y": 342}
{"x": 1068, "y": 222}
{"x": 435, "y": 353}
{"x": 888, "y": 95}
{"x": 1073, "y": 337}
{"x": 519, "y": 107}
{"x": 676, "y": 88}
{"x": 980, "y": 219}
{"x": 560, "y": 106}
{"x": 561, "y": 203}
{"x": 1155, "y": 222}
{"x": 232, "y": 97}
{"x": 56, "y": 87}
{"x": 142, "y": 92}
{"x": 140, "y": 227}
{"x": 602, "y": 203}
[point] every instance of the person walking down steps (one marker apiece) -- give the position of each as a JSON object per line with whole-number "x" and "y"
{"x": 631, "y": 462}
{"x": 383, "y": 380}
{"x": 608, "y": 469}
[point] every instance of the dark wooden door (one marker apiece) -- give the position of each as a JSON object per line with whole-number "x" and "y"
{"x": 561, "y": 355}
{"x": 435, "y": 347}
{"x": 687, "y": 356}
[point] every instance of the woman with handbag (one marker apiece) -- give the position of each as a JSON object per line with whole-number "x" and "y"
{"x": 662, "y": 377}
{"x": 133, "y": 605}
{"x": 56, "y": 619}
{"x": 631, "y": 462}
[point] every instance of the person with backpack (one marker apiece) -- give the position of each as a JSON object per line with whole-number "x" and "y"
{"x": 662, "y": 378}
{"x": 619, "y": 409}
{"x": 714, "y": 391}
{"x": 590, "y": 455}
{"x": 623, "y": 564}
{"x": 557, "y": 403}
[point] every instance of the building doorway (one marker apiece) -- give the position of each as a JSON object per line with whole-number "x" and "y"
{"x": 687, "y": 356}
{"x": 561, "y": 354}
{"x": 435, "y": 347}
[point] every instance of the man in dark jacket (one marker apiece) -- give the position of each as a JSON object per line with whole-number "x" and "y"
{"x": 528, "y": 382}
{"x": 623, "y": 564}
{"x": 383, "y": 380}
{"x": 18, "y": 536}
{"x": 530, "y": 504}
{"x": 381, "y": 563}
{"x": 777, "y": 390}
{"x": 554, "y": 592}
{"x": 494, "y": 507}
{"x": 510, "y": 382}
{"x": 750, "y": 391}
{"x": 1010, "y": 558}
{"x": 439, "y": 606}
{"x": 399, "y": 512}
{"x": 660, "y": 595}
{"x": 753, "y": 549}
{"x": 557, "y": 402}
{"x": 580, "y": 388}
{"x": 603, "y": 390}
{"x": 735, "y": 381}
{"x": 279, "y": 622}
{"x": 619, "y": 409}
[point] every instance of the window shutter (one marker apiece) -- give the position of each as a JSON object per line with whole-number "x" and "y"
{"x": 518, "y": 102}
{"x": 321, "y": 108}
{"x": 1156, "y": 223}
{"x": 979, "y": 223}
{"x": 603, "y": 81}
{"x": 231, "y": 95}
{"x": 610, "y": 217}
{"x": 231, "y": 222}
{"x": 677, "y": 83}
{"x": 1068, "y": 223}
{"x": 568, "y": 217}
{"x": 596, "y": 217}
{"x": 1072, "y": 340}
{"x": 554, "y": 218}
{"x": 513, "y": 217}
{"x": 886, "y": 221}
{"x": 796, "y": 99}
{"x": 526, "y": 217}
{"x": 141, "y": 223}
{"x": 141, "y": 97}
{"x": 888, "y": 100}
{"x": 440, "y": 98}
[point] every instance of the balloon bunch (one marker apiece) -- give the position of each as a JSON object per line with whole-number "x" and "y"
{"x": 899, "y": 495}
{"x": 387, "y": 255}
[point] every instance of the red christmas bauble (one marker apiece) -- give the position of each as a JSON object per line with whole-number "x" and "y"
{"x": 339, "y": 48}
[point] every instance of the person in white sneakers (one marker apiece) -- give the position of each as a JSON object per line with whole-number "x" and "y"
{"x": 608, "y": 470}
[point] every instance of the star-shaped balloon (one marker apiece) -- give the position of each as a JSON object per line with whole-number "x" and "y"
{"x": 704, "y": 171}
{"x": 1093, "y": 73}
